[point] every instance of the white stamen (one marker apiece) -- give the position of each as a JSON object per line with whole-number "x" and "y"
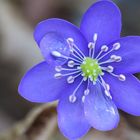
{"x": 107, "y": 87}
{"x": 86, "y": 92}
{"x": 91, "y": 45}
{"x": 95, "y": 37}
{"x": 58, "y": 75}
{"x": 72, "y": 98}
{"x": 116, "y": 46}
{"x": 56, "y": 54}
{"x": 77, "y": 56}
{"x": 104, "y": 48}
{"x": 70, "y": 79}
{"x": 122, "y": 77}
{"x": 94, "y": 43}
{"x": 58, "y": 68}
{"x": 109, "y": 69}
{"x": 72, "y": 45}
{"x": 118, "y": 59}
{"x": 107, "y": 61}
{"x": 71, "y": 63}
{"x": 115, "y": 58}
{"x": 70, "y": 40}
{"x": 83, "y": 98}
{"x": 107, "y": 93}
{"x": 71, "y": 73}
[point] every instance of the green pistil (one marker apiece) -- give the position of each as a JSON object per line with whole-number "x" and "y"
{"x": 91, "y": 68}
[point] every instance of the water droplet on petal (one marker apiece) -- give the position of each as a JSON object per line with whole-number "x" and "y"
{"x": 53, "y": 46}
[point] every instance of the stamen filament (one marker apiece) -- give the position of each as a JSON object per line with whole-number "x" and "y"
{"x": 107, "y": 61}
{"x": 72, "y": 45}
{"x": 86, "y": 92}
{"x": 70, "y": 58}
{"x": 95, "y": 36}
{"x": 79, "y": 58}
{"x": 74, "y": 92}
{"x": 104, "y": 48}
{"x": 105, "y": 54}
{"x": 71, "y": 73}
{"x": 80, "y": 53}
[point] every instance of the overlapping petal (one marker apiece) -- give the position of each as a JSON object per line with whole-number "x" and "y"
{"x": 39, "y": 84}
{"x": 103, "y": 18}
{"x": 130, "y": 53}
{"x": 126, "y": 94}
{"x": 62, "y": 28}
{"x": 71, "y": 118}
{"x": 100, "y": 111}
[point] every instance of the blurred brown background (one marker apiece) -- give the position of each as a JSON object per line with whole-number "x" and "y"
{"x": 18, "y": 52}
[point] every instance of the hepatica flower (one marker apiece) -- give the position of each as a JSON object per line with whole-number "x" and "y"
{"x": 88, "y": 69}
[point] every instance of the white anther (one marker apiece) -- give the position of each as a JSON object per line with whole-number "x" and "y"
{"x": 83, "y": 98}
{"x": 115, "y": 58}
{"x": 91, "y": 45}
{"x": 56, "y": 54}
{"x": 58, "y": 75}
{"x": 95, "y": 37}
{"x": 107, "y": 93}
{"x": 70, "y": 79}
{"x": 116, "y": 46}
{"x": 107, "y": 87}
{"x": 70, "y": 40}
{"x": 109, "y": 69}
{"x": 71, "y": 63}
{"x": 118, "y": 59}
{"x": 104, "y": 48}
{"x": 72, "y": 98}
{"x": 71, "y": 50}
{"x": 121, "y": 77}
{"x": 58, "y": 68}
{"x": 86, "y": 92}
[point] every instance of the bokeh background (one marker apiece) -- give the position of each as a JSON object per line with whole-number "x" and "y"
{"x": 18, "y": 52}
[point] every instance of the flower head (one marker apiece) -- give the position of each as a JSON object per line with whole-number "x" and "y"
{"x": 89, "y": 70}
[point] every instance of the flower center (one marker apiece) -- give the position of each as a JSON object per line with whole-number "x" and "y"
{"x": 91, "y": 68}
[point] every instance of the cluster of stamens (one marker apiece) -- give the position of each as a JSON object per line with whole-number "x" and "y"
{"x": 88, "y": 67}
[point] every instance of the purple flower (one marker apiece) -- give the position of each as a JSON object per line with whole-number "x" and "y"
{"x": 89, "y": 70}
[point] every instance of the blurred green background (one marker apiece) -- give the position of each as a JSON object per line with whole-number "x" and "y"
{"x": 18, "y": 52}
